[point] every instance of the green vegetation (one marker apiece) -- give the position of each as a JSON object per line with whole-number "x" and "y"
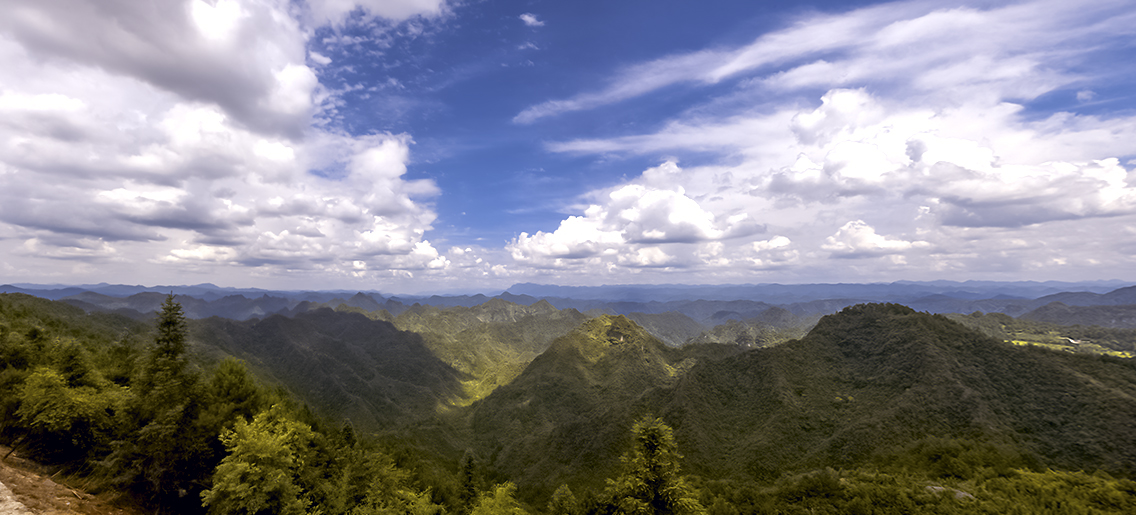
{"x": 491, "y": 343}
{"x": 1074, "y": 339}
{"x": 878, "y": 409}
{"x": 650, "y": 482}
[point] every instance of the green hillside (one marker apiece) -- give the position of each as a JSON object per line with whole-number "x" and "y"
{"x": 878, "y": 409}
{"x": 565, "y": 418}
{"x": 344, "y": 365}
{"x": 874, "y": 379}
{"x": 490, "y": 343}
{"x": 864, "y": 388}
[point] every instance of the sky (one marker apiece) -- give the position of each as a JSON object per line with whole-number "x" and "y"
{"x": 434, "y": 145}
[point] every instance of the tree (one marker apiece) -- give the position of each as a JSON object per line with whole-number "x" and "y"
{"x": 165, "y": 378}
{"x": 258, "y": 475}
{"x": 231, "y": 392}
{"x": 650, "y": 482}
{"x": 65, "y": 422}
{"x": 500, "y": 500}
{"x": 168, "y": 453}
{"x": 563, "y": 502}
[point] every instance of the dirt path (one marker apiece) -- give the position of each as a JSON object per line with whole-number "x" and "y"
{"x": 26, "y": 488}
{"x": 8, "y": 503}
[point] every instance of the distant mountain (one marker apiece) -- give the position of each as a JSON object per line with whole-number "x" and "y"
{"x": 492, "y": 342}
{"x": 796, "y": 293}
{"x": 236, "y": 307}
{"x": 708, "y": 305}
{"x": 672, "y": 328}
{"x": 43, "y": 293}
{"x": 1116, "y": 316}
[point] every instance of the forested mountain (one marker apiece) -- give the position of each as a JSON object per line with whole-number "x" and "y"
{"x": 865, "y": 385}
{"x": 878, "y": 408}
{"x": 344, "y": 365}
{"x": 490, "y": 343}
{"x": 1119, "y": 316}
{"x": 563, "y": 417}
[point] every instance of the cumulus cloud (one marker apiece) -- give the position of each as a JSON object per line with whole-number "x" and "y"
{"x": 633, "y": 224}
{"x": 937, "y": 148}
{"x": 858, "y": 239}
{"x": 776, "y": 252}
{"x": 184, "y": 135}
{"x": 246, "y": 58}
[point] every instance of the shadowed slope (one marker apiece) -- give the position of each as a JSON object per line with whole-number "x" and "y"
{"x": 343, "y": 364}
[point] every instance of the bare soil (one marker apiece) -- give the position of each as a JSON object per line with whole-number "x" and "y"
{"x": 43, "y": 491}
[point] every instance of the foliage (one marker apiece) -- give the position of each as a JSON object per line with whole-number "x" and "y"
{"x": 490, "y": 343}
{"x": 879, "y": 409}
{"x": 500, "y": 500}
{"x": 258, "y": 475}
{"x": 65, "y": 420}
{"x": 1082, "y": 339}
{"x": 563, "y": 502}
{"x": 650, "y": 482}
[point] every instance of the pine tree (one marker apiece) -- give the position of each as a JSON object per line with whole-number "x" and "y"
{"x": 165, "y": 377}
{"x": 169, "y": 454}
{"x": 650, "y": 483}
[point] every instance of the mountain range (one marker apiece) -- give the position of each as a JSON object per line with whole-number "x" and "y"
{"x": 707, "y": 306}
{"x": 544, "y": 397}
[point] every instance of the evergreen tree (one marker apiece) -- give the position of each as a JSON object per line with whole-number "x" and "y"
{"x": 166, "y": 379}
{"x": 563, "y": 502}
{"x": 650, "y": 483}
{"x": 169, "y": 454}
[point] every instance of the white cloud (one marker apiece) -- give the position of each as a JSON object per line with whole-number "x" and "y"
{"x": 634, "y": 224}
{"x": 183, "y": 136}
{"x": 858, "y": 239}
{"x": 962, "y": 52}
{"x": 336, "y": 12}
{"x": 531, "y": 20}
{"x": 776, "y": 252}
{"x": 922, "y": 129}
{"x": 247, "y": 58}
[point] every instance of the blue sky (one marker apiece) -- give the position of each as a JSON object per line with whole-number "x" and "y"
{"x": 426, "y": 145}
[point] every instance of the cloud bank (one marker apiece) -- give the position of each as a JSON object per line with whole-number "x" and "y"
{"x": 894, "y": 141}
{"x": 186, "y": 137}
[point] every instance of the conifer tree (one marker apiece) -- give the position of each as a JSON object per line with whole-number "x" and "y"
{"x": 563, "y": 502}
{"x": 650, "y": 482}
{"x": 165, "y": 378}
{"x": 169, "y": 454}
